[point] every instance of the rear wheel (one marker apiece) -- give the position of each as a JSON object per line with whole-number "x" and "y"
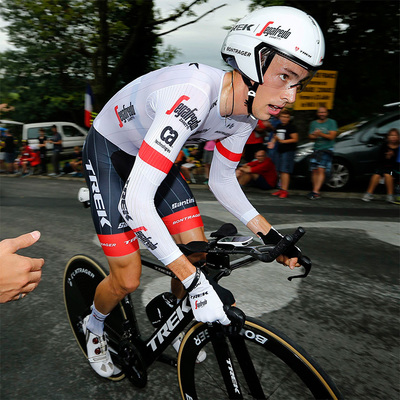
{"x": 81, "y": 277}
{"x": 259, "y": 363}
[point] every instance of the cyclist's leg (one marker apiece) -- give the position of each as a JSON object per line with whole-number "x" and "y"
{"x": 123, "y": 279}
{"x": 119, "y": 243}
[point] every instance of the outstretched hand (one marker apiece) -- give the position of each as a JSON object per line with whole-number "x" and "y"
{"x": 19, "y": 275}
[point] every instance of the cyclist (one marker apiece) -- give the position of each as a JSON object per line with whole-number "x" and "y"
{"x": 136, "y": 191}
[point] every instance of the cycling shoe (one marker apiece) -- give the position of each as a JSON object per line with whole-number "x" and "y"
{"x": 97, "y": 352}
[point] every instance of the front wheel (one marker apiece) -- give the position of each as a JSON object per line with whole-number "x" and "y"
{"x": 259, "y": 363}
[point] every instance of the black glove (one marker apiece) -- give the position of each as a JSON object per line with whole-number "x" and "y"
{"x": 273, "y": 237}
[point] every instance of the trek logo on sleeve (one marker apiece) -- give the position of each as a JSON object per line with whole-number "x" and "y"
{"x": 186, "y": 115}
{"x": 122, "y": 204}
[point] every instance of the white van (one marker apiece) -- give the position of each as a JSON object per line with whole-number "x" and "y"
{"x": 72, "y": 134}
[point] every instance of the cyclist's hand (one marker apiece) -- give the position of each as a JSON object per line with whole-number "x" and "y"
{"x": 205, "y": 303}
{"x": 290, "y": 256}
{"x": 292, "y": 263}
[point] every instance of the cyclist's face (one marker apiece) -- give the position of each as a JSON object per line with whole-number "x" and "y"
{"x": 279, "y": 87}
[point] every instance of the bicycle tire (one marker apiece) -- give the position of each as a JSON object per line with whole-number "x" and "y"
{"x": 282, "y": 369}
{"x": 81, "y": 276}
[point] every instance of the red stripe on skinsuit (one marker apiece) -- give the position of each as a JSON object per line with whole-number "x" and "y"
{"x": 183, "y": 220}
{"x": 120, "y": 244}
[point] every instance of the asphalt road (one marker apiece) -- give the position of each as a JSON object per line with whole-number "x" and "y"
{"x": 346, "y": 313}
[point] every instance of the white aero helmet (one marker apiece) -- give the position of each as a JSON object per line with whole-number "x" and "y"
{"x": 286, "y": 31}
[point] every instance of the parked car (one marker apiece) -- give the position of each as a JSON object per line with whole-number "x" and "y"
{"x": 72, "y": 134}
{"x": 355, "y": 153}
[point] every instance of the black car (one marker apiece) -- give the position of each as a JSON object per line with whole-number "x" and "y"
{"x": 355, "y": 153}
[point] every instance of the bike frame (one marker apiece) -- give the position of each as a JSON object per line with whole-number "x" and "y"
{"x": 181, "y": 316}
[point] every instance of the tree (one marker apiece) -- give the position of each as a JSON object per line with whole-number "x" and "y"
{"x": 62, "y": 44}
{"x": 362, "y": 44}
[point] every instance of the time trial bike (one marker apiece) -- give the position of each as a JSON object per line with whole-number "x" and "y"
{"x": 248, "y": 359}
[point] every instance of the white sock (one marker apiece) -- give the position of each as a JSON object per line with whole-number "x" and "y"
{"x": 96, "y": 321}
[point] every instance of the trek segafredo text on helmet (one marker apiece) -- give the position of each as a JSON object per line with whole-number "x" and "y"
{"x": 285, "y": 31}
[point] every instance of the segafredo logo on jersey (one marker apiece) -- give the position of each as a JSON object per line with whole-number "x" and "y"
{"x": 185, "y": 114}
{"x": 274, "y": 32}
{"x": 125, "y": 115}
{"x": 97, "y": 197}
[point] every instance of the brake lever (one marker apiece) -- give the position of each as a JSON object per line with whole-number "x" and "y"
{"x": 306, "y": 263}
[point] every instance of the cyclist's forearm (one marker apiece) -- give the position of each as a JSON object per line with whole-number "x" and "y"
{"x": 259, "y": 224}
{"x": 182, "y": 268}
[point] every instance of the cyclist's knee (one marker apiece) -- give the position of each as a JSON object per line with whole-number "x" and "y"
{"x": 125, "y": 274}
{"x": 123, "y": 286}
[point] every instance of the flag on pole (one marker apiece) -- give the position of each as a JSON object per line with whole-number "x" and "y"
{"x": 88, "y": 106}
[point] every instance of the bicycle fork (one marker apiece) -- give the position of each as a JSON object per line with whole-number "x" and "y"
{"x": 227, "y": 367}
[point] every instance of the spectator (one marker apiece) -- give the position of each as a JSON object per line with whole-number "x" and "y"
{"x": 286, "y": 137}
{"x": 27, "y": 158}
{"x": 269, "y": 140}
{"x": 261, "y": 172}
{"x": 9, "y": 150}
{"x": 397, "y": 180}
{"x": 76, "y": 163}
{"x": 387, "y": 167}
{"x": 42, "y": 151}
{"x": 74, "y": 167}
{"x": 255, "y": 140}
{"x": 19, "y": 275}
{"x": 323, "y": 130}
{"x": 56, "y": 140}
{"x": 192, "y": 162}
{"x": 207, "y": 158}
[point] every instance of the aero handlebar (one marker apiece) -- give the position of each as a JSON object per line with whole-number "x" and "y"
{"x": 264, "y": 253}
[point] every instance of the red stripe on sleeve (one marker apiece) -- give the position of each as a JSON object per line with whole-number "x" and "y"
{"x": 227, "y": 153}
{"x": 154, "y": 158}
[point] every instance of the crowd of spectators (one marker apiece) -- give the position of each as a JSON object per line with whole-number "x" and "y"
{"x": 267, "y": 163}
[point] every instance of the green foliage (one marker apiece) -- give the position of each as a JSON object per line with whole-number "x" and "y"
{"x": 63, "y": 44}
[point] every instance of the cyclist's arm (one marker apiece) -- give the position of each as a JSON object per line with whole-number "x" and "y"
{"x": 156, "y": 156}
{"x": 225, "y": 186}
{"x": 223, "y": 182}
